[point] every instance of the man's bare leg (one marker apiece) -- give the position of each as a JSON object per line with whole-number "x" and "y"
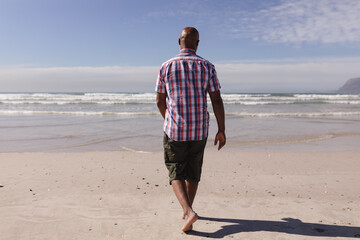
{"x": 191, "y": 188}
{"x": 180, "y": 191}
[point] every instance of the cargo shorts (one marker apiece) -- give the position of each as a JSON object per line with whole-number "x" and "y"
{"x": 184, "y": 159}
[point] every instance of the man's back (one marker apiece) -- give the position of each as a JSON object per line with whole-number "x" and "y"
{"x": 186, "y": 79}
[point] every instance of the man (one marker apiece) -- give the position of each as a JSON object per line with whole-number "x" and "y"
{"x": 182, "y": 86}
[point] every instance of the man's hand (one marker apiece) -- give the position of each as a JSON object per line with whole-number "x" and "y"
{"x": 221, "y": 138}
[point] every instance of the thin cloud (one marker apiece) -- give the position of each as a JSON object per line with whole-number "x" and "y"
{"x": 287, "y": 75}
{"x": 283, "y": 21}
{"x": 320, "y": 21}
{"x": 78, "y": 79}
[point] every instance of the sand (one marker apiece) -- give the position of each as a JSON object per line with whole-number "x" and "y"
{"x": 125, "y": 195}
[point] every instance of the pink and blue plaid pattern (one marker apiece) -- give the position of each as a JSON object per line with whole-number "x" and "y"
{"x": 186, "y": 79}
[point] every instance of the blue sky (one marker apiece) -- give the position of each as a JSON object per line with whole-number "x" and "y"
{"x": 108, "y": 45}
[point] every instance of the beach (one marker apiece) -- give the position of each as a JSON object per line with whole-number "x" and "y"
{"x": 93, "y": 91}
{"x": 90, "y": 166}
{"x": 125, "y": 195}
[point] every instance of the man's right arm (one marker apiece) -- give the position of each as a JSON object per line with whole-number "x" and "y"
{"x": 161, "y": 103}
{"x": 219, "y": 112}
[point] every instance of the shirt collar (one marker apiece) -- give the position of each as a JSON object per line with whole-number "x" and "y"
{"x": 187, "y": 51}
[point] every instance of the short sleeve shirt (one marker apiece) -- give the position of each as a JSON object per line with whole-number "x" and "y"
{"x": 186, "y": 79}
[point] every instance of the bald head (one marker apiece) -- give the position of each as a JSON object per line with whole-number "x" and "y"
{"x": 189, "y": 38}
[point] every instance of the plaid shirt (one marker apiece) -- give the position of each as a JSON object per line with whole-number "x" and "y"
{"x": 186, "y": 79}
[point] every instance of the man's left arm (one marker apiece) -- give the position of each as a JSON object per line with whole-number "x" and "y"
{"x": 219, "y": 112}
{"x": 161, "y": 103}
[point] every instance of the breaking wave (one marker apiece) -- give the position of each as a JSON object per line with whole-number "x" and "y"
{"x": 150, "y": 98}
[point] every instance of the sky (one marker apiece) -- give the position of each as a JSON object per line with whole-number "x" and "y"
{"x": 119, "y": 45}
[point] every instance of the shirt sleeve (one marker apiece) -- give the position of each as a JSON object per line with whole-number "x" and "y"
{"x": 160, "y": 83}
{"x": 214, "y": 84}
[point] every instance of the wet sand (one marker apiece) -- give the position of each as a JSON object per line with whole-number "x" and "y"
{"x": 125, "y": 195}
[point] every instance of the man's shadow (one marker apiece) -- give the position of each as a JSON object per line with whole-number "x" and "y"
{"x": 288, "y": 225}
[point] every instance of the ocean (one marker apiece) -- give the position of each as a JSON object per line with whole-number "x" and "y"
{"x": 72, "y": 122}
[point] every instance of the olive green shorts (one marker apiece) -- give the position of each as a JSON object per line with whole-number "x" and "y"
{"x": 184, "y": 159}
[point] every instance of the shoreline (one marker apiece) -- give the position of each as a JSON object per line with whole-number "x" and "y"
{"x": 306, "y": 143}
{"x": 110, "y": 122}
{"x": 125, "y": 195}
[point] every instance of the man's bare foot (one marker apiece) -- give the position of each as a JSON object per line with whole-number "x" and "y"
{"x": 191, "y": 218}
{"x": 191, "y": 227}
{"x": 183, "y": 217}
